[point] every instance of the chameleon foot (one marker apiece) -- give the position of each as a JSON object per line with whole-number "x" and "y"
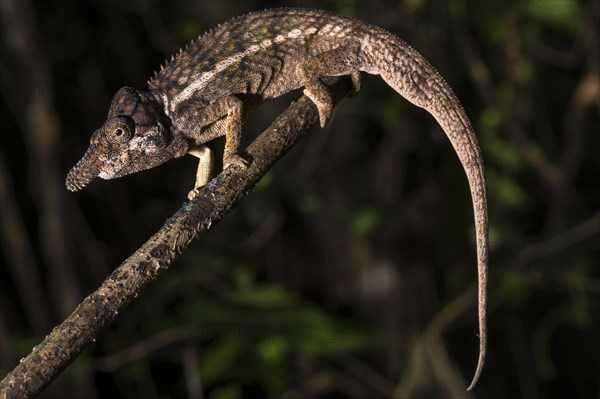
{"x": 234, "y": 160}
{"x": 192, "y": 194}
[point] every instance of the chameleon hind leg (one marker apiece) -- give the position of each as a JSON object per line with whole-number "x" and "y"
{"x": 337, "y": 62}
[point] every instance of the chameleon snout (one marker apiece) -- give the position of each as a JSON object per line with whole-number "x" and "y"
{"x": 83, "y": 172}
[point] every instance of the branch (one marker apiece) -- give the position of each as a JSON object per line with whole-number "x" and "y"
{"x": 132, "y": 277}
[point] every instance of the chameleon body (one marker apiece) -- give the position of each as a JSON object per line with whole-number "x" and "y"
{"x": 260, "y": 56}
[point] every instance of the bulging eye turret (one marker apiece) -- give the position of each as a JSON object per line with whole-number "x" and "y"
{"x": 119, "y": 129}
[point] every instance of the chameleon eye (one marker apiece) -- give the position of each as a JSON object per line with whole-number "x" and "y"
{"x": 119, "y": 129}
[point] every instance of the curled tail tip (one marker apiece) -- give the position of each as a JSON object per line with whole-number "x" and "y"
{"x": 475, "y": 379}
{"x": 479, "y": 369}
{"x": 470, "y": 388}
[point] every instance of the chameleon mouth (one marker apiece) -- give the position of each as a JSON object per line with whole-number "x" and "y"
{"x": 82, "y": 173}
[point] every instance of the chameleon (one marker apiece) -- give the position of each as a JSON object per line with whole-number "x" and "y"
{"x": 260, "y": 56}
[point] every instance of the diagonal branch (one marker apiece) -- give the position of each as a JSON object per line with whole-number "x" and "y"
{"x": 130, "y": 279}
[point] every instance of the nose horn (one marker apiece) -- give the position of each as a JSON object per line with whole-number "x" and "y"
{"x": 83, "y": 172}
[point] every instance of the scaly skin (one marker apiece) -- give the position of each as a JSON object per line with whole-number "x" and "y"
{"x": 260, "y": 56}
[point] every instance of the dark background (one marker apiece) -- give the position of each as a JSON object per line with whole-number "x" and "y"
{"x": 350, "y": 270}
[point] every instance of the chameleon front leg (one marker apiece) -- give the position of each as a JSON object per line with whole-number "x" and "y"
{"x": 206, "y": 166}
{"x": 231, "y": 108}
{"x": 233, "y": 132}
{"x": 337, "y": 62}
{"x": 226, "y": 109}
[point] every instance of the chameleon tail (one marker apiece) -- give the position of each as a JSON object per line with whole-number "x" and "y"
{"x": 422, "y": 85}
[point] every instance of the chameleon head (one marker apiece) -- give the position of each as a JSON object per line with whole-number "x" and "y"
{"x": 136, "y": 136}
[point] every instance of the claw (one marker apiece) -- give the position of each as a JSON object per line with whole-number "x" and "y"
{"x": 192, "y": 194}
{"x": 234, "y": 160}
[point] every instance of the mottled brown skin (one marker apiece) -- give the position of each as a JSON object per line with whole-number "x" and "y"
{"x": 260, "y": 56}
